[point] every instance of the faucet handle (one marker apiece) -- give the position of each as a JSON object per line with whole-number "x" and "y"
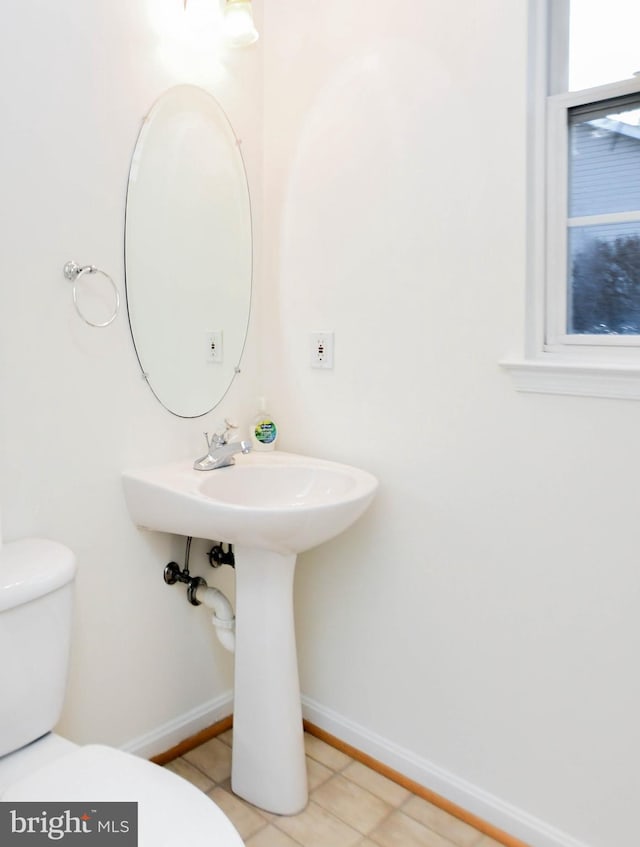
{"x": 217, "y": 439}
{"x": 229, "y": 425}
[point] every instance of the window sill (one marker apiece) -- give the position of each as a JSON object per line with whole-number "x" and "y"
{"x": 575, "y": 379}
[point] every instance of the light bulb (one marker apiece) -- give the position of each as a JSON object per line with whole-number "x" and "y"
{"x": 239, "y": 29}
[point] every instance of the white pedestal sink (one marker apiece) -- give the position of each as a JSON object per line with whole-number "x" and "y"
{"x": 270, "y": 506}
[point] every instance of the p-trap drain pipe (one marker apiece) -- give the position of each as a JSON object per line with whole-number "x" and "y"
{"x": 223, "y": 618}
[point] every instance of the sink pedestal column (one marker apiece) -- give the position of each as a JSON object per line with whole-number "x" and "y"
{"x": 268, "y": 760}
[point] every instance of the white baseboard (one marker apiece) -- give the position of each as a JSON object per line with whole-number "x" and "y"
{"x": 490, "y": 808}
{"x": 165, "y": 737}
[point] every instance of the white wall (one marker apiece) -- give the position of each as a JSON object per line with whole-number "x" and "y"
{"x": 480, "y": 623}
{"x": 77, "y": 79}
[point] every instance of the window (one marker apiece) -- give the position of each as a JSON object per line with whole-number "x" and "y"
{"x": 593, "y": 218}
{"x": 584, "y": 184}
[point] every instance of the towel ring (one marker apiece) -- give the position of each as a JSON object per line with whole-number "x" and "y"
{"x": 74, "y": 273}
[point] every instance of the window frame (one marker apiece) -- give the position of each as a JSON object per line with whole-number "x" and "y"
{"x": 553, "y": 361}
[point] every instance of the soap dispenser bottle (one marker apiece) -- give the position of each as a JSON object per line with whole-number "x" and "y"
{"x": 264, "y": 432}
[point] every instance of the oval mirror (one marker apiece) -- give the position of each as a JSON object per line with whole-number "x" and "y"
{"x": 188, "y": 251}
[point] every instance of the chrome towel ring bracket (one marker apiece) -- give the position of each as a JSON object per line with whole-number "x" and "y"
{"x": 74, "y": 273}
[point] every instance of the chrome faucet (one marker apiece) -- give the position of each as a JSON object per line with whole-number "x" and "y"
{"x": 220, "y": 451}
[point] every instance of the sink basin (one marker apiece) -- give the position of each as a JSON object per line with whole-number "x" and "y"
{"x": 270, "y": 506}
{"x": 275, "y": 501}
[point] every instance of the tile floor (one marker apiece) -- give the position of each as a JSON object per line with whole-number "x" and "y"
{"x": 349, "y": 805}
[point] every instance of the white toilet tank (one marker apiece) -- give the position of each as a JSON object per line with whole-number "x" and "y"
{"x": 36, "y": 579}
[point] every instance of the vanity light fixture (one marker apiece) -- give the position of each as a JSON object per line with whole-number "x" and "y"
{"x": 239, "y": 28}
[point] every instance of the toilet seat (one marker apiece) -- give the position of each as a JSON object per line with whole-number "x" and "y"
{"x": 171, "y": 811}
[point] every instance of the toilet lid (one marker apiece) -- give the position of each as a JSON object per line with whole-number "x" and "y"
{"x": 171, "y": 811}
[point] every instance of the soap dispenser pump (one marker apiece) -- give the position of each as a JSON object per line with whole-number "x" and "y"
{"x": 264, "y": 432}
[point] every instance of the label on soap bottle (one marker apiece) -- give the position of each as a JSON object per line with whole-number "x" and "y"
{"x": 265, "y": 431}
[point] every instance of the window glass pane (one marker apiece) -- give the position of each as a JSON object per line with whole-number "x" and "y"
{"x": 604, "y": 159}
{"x": 604, "y": 269}
{"x": 603, "y": 42}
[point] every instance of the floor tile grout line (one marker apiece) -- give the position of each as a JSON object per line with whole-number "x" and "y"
{"x": 379, "y": 824}
{"x": 196, "y": 768}
{"x": 373, "y": 794}
{"x": 447, "y": 842}
{"x": 331, "y": 814}
{"x": 215, "y": 782}
{"x": 295, "y": 840}
{"x": 391, "y": 808}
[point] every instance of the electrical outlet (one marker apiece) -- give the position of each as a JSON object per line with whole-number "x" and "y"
{"x": 214, "y": 346}
{"x": 321, "y": 349}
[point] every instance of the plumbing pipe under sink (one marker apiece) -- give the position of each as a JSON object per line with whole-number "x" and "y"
{"x": 223, "y": 618}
